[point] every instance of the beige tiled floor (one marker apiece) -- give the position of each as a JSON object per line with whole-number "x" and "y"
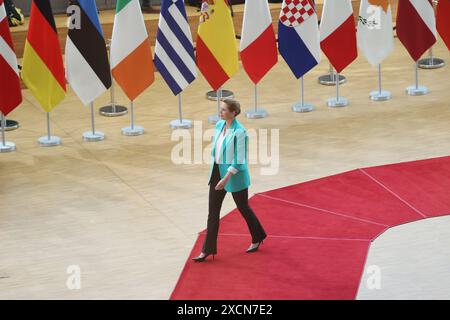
{"x": 128, "y": 217}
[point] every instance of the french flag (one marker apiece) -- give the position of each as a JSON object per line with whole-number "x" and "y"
{"x": 298, "y": 36}
{"x": 338, "y": 33}
{"x": 258, "y": 43}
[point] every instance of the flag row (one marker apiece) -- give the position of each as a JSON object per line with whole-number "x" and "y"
{"x": 301, "y": 40}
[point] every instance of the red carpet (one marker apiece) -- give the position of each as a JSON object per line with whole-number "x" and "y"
{"x": 319, "y": 233}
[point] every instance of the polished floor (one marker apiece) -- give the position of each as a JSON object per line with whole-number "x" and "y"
{"x": 127, "y": 216}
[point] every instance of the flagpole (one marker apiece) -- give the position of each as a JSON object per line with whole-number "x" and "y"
{"x": 330, "y": 78}
{"x": 215, "y": 117}
{"x": 256, "y": 113}
{"x": 256, "y": 97}
{"x": 431, "y": 62}
{"x": 113, "y": 109}
{"x": 338, "y": 101}
{"x": 302, "y": 106}
{"x": 5, "y": 146}
{"x": 132, "y": 130}
{"x": 179, "y": 108}
{"x": 180, "y": 123}
{"x": 416, "y": 89}
{"x": 49, "y": 140}
{"x": 380, "y": 95}
{"x": 93, "y": 136}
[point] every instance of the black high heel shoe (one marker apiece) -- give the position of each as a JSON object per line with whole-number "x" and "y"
{"x": 201, "y": 259}
{"x": 255, "y": 248}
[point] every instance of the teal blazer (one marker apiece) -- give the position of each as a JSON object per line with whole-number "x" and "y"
{"x": 233, "y": 154}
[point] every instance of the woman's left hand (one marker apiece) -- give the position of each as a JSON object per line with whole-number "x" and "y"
{"x": 221, "y": 184}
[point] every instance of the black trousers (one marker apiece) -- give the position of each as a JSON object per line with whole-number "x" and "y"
{"x": 215, "y": 204}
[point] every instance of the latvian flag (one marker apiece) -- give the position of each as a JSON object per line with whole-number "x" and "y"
{"x": 298, "y": 36}
{"x": 87, "y": 66}
{"x": 174, "y": 50}
{"x": 10, "y": 92}
{"x": 443, "y": 21}
{"x": 338, "y": 33}
{"x": 258, "y": 43}
{"x": 416, "y": 26}
{"x": 42, "y": 64}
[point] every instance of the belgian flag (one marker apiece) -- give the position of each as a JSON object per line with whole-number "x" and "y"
{"x": 42, "y": 65}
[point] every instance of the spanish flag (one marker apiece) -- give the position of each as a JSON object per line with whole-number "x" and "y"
{"x": 217, "y": 54}
{"x": 42, "y": 65}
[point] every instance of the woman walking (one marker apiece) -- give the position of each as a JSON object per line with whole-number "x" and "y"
{"x": 229, "y": 173}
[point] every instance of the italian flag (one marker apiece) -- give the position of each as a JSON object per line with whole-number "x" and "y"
{"x": 131, "y": 55}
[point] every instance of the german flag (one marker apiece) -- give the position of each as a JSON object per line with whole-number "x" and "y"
{"x": 42, "y": 65}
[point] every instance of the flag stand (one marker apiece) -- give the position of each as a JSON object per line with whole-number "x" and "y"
{"x": 431, "y": 62}
{"x": 11, "y": 125}
{"x": 256, "y": 113}
{"x": 132, "y": 130}
{"x": 330, "y": 78}
{"x": 49, "y": 140}
{"x": 302, "y": 106}
{"x": 417, "y": 90}
{"x": 225, "y": 94}
{"x": 5, "y": 146}
{"x": 180, "y": 123}
{"x": 338, "y": 101}
{"x": 380, "y": 95}
{"x": 215, "y": 117}
{"x": 113, "y": 109}
{"x": 92, "y": 136}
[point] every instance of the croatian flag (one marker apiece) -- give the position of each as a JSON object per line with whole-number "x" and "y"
{"x": 174, "y": 50}
{"x": 298, "y": 36}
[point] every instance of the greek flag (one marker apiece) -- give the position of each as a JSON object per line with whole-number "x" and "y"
{"x": 174, "y": 50}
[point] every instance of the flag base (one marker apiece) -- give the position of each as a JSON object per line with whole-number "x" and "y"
{"x": 256, "y": 114}
{"x": 417, "y": 91}
{"x": 226, "y": 94}
{"x": 46, "y": 142}
{"x": 337, "y": 103}
{"x": 431, "y": 63}
{"x": 11, "y": 125}
{"x": 330, "y": 79}
{"x": 135, "y": 131}
{"x": 7, "y": 147}
{"x": 184, "y": 124}
{"x": 302, "y": 107}
{"x": 90, "y": 136}
{"x": 380, "y": 96}
{"x": 113, "y": 111}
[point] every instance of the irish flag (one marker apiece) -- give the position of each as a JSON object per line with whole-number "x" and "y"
{"x": 217, "y": 55}
{"x": 131, "y": 55}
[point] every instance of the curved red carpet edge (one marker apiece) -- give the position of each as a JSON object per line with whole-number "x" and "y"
{"x": 319, "y": 234}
